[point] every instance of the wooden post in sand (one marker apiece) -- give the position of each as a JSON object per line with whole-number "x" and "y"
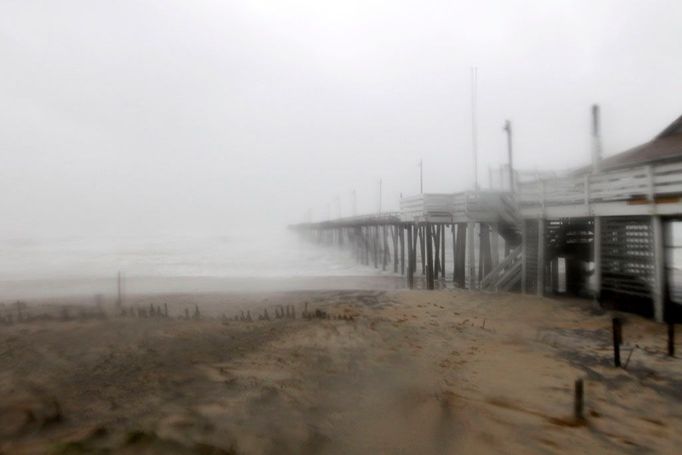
{"x": 442, "y": 251}
{"x": 578, "y": 401}
{"x": 671, "y": 339}
{"x": 429, "y": 256}
{"x": 454, "y": 253}
{"x": 617, "y": 340}
{"x": 119, "y": 297}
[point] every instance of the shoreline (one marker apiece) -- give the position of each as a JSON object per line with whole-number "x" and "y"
{"x": 46, "y": 289}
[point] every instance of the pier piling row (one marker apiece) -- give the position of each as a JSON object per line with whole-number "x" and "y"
{"x": 603, "y": 232}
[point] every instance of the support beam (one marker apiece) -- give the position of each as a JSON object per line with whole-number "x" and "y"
{"x": 394, "y": 238}
{"x": 658, "y": 291}
{"x": 435, "y": 231}
{"x": 454, "y": 253}
{"x": 461, "y": 254}
{"x": 442, "y": 251}
{"x": 401, "y": 239}
{"x": 411, "y": 250}
{"x": 524, "y": 256}
{"x": 596, "y": 257}
{"x": 429, "y": 256}
{"x": 422, "y": 248}
{"x": 471, "y": 245}
{"x": 494, "y": 244}
{"x": 484, "y": 257}
{"x": 541, "y": 258}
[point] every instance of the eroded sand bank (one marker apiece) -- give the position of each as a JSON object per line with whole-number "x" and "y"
{"x": 400, "y": 372}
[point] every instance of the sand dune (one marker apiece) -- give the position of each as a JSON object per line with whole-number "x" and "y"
{"x": 384, "y": 372}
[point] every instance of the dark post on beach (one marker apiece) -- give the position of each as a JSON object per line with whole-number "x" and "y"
{"x": 671, "y": 339}
{"x": 578, "y": 402}
{"x": 617, "y": 339}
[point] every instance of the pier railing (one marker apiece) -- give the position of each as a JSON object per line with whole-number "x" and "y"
{"x": 483, "y": 205}
{"x": 634, "y": 185}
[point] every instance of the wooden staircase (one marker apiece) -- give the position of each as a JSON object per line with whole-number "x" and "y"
{"x": 506, "y": 274}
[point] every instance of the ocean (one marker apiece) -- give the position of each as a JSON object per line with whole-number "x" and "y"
{"x": 237, "y": 261}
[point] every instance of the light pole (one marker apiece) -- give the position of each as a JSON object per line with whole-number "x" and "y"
{"x": 508, "y": 129}
{"x": 474, "y": 124}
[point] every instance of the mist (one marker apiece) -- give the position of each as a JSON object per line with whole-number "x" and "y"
{"x": 150, "y": 117}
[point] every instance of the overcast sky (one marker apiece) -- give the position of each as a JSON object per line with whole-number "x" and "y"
{"x": 195, "y": 117}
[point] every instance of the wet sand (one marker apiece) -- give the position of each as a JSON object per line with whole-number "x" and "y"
{"x": 386, "y": 372}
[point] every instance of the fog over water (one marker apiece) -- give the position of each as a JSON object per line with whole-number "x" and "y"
{"x": 159, "y": 136}
{"x": 236, "y": 256}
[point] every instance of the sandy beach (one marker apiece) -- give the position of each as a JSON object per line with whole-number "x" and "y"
{"x": 365, "y": 371}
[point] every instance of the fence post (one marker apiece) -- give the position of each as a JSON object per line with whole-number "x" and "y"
{"x": 617, "y": 340}
{"x": 578, "y": 401}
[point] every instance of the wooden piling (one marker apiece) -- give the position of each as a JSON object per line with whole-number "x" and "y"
{"x": 384, "y": 248}
{"x": 376, "y": 247}
{"x": 401, "y": 239}
{"x": 578, "y": 401}
{"x": 617, "y": 339}
{"x": 461, "y": 255}
{"x": 484, "y": 259}
{"x": 422, "y": 248}
{"x": 442, "y": 251}
{"x": 471, "y": 252}
{"x": 671, "y": 339}
{"x": 410, "y": 258}
{"x": 429, "y": 257}
{"x": 394, "y": 237}
{"x": 454, "y": 253}
{"x": 435, "y": 237}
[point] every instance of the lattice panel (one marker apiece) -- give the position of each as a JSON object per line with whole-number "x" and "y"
{"x": 627, "y": 265}
{"x": 531, "y": 255}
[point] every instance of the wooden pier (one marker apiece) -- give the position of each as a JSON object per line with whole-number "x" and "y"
{"x": 601, "y": 232}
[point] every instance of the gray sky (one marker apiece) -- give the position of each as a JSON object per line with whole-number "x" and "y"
{"x": 174, "y": 117}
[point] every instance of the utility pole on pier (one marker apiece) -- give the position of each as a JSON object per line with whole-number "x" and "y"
{"x": 421, "y": 176}
{"x": 596, "y": 139}
{"x": 508, "y": 129}
{"x": 474, "y": 124}
{"x": 354, "y": 203}
{"x": 380, "y": 196}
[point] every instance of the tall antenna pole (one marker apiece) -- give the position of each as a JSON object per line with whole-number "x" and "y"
{"x": 596, "y": 139}
{"x": 474, "y": 124}
{"x": 421, "y": 176}
{"x": 380, "y": 184}
{"x": 508, "y": 129}
{"x": 354, "y": 200}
